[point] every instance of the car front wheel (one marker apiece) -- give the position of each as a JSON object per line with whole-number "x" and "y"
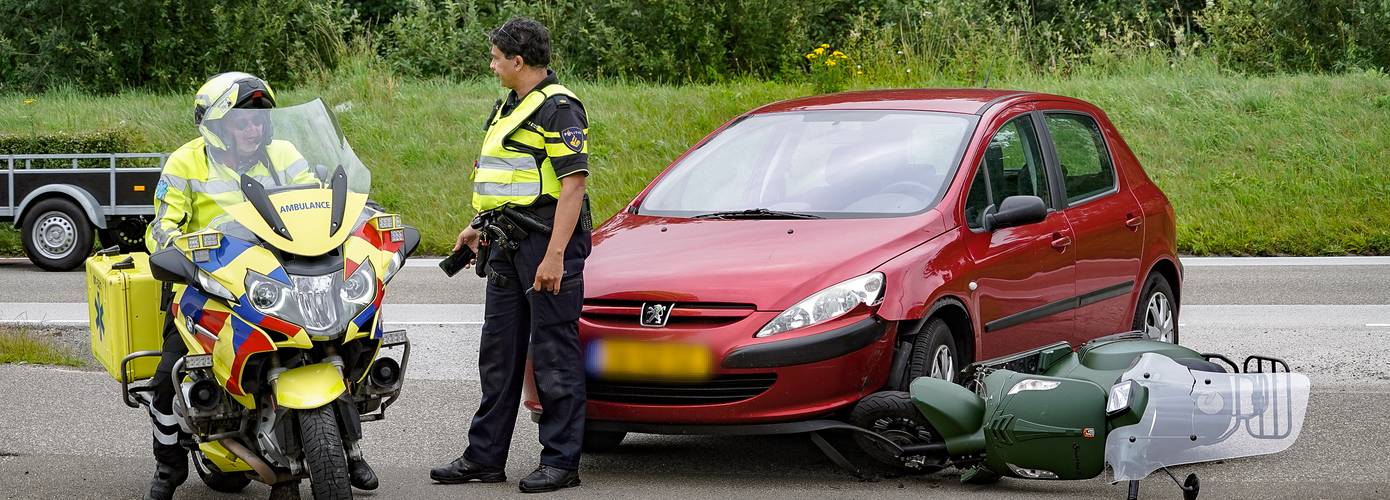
{"x": 1157, "y": 312}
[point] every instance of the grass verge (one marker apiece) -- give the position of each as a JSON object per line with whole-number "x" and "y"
{"x": 21, "y": 345}
{"x": 1277, "y": 165}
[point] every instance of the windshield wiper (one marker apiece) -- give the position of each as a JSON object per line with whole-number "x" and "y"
{"x": 757, "y": 213}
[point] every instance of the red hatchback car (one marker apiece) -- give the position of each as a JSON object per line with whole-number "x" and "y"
{"x": 811, "y": 252}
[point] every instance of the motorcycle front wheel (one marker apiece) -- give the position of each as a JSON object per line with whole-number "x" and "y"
{"x": 323, "y": 451}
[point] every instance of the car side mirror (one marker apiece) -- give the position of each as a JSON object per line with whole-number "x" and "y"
{"x": 171, "y": 265}
{"x": 1016, "y": 211}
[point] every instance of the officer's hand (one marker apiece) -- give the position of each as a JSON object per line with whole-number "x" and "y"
{"x": 548, "y": 276}
{"x": 468, "y": 236}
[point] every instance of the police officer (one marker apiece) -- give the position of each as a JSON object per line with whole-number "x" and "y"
{"x": 196, "y": 177}
{"x": 534, "y": 164}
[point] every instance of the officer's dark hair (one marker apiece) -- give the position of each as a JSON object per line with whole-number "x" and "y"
{"x": 521, "y": 36}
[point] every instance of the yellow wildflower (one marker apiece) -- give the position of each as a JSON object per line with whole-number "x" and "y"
{"x": 824, "y": 45}
{"x": 819, "y": 51}
{"x": 28, "y": 102}
{"x": 829, "y": 62}
{"x": 839, "y": 54}
{"x": 811, "y": 56}
{"x": 858, "y": 72}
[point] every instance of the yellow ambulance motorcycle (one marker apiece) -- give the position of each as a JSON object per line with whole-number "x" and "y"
{"x": 279, "y": 303}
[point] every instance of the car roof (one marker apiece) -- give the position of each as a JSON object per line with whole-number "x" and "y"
{"x": 966, "y": 101}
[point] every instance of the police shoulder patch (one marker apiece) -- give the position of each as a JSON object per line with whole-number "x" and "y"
{"x": 573, "y": 138}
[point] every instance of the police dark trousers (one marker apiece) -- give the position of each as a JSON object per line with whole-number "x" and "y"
{"x": 547, "y": 324}
{"x": 167, "y": 432}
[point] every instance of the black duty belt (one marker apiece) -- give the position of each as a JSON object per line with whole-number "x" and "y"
{"x": 501, "y": 281}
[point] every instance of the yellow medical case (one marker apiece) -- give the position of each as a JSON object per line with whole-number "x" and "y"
{"x": 123, "y": 307}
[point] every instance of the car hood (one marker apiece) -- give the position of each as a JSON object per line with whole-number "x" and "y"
{"x": 771, "y": 264}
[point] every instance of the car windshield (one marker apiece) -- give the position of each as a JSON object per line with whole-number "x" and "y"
{"x": 834, "y": 164}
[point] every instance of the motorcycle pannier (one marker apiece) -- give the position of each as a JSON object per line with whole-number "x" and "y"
{"x": 123, "y": 304}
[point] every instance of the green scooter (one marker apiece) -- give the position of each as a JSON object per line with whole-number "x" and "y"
{"x": 1062, "y": 414}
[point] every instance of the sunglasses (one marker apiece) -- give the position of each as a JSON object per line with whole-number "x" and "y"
{"x": 245, "y": 123}
{"x": 502, "y": 30}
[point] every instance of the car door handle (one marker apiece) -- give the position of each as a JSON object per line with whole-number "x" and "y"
{"x": 1133, "y": 221}
{"x": 1060, "y": 241}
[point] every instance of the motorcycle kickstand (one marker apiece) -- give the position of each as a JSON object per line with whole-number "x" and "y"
{"x": 839, "y": 459}
{"x": 1133, "y": 490}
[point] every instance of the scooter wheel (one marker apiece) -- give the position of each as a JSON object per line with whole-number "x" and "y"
{"x": 892, "y": 415}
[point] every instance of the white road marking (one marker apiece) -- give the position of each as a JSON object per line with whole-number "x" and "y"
{"x": 1357, "y": 260}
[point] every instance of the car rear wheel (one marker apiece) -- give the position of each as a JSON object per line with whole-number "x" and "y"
{"x": 934, "y": 354}
{"x": 1157, "y": 312}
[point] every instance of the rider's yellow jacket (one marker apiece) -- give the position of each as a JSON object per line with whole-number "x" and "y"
{"x": 192, "y": 188}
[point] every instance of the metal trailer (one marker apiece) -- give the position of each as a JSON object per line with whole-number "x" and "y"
{"x": 59, "y": 210}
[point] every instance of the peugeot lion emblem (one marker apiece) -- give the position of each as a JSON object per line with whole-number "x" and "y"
{"x": 655, "y": 314}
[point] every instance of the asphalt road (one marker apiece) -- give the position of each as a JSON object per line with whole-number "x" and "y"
{"x": 65, "y": 433}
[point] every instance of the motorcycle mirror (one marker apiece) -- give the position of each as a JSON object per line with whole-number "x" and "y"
{"x": 412, "y": 240}
{"x": 172, "y": 265}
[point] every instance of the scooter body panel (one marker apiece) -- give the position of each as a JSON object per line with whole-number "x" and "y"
{"x": 1040, "y": 427}
{"x": 954, "y": 411}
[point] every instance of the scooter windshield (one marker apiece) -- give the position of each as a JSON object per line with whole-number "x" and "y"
{"x": 1197, "y": 416}
{"x": 286, "y": 174}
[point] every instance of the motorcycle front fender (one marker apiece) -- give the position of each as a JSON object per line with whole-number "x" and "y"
{"x": 955, "y": 412}
{"x": 309, "y": 386}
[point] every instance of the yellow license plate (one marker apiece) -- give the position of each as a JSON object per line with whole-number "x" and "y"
{"x": 649, "y": 360}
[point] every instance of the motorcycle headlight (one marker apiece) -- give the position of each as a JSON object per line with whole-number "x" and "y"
{"x": 359, "y": 290}
{"x": 273, "y": 298}
{"x": 828, "y": 304}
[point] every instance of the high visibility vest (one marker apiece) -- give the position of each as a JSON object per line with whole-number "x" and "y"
{"x": 192, "y": 190}
{"x": 510, "y": 175}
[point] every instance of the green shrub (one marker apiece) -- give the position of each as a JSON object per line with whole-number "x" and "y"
{"x": 122, "y": 140}
{"x": 112, "y": 45}
{"x": 1266, "y": 36}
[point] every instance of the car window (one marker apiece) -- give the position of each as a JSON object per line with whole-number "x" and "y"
{"x": 1081, "y": 154}
{"x": 827, "y": 163}
{"x": 1015, "y": 166}
{"x": 977, "y": 199}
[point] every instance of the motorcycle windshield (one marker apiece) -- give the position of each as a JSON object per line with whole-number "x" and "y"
{"x": 285, "y": 174}
{"x": 1196, "y": 416}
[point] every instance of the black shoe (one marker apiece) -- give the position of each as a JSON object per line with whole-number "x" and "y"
{"x": 462, "y": 471}
{"x": 547, "y": 478}
{"x": 361, "y": 476}
{"x": 166, "y": 479}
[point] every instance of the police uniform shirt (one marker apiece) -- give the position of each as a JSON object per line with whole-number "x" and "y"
{"x": 558, "y": 113}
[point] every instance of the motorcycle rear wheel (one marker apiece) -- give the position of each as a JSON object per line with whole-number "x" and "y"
{"x": 323, "y": 451}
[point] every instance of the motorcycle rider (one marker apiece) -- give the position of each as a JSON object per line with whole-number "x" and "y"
{"x": 196, "y": 176}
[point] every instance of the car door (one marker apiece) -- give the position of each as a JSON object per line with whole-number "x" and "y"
{"x": 1022, "y": 275}
{"x": 1105, "y": 219}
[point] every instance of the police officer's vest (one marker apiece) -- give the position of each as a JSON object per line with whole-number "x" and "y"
{"x": 507, "y": 175}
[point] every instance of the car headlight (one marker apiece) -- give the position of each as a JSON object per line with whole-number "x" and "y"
{"x": 1118, "y": 401}
{"x": 828, "y": 304}
{"x": 210, "y": 285}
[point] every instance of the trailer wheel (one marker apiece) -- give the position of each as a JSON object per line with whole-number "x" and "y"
{"x": 127, "y": 233}
{"x": 57, "y": 235}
